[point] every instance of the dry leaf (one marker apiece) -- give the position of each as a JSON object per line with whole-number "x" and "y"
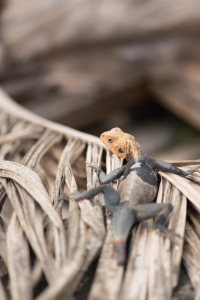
{"x": 36, "y": 169}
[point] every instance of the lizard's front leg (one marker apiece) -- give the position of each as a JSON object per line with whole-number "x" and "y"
{"x": 112, "y": 176}
{"x": 105, "y": 189}
{"x": 166, "y": 167}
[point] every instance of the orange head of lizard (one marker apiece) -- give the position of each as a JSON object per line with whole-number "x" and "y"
{"x": 121, "y": 143}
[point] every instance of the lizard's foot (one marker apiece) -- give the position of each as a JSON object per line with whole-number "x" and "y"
{"x": 71, "y": 196}
{"x": 94, "y": 167}
{"x": 189, "y": 172}
{"x": 168, "y": 233}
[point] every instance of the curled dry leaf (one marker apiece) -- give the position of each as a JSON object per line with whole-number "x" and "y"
{"x": 18, "y": 261}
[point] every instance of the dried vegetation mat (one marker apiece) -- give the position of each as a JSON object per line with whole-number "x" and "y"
{"x": 49, "y": 248}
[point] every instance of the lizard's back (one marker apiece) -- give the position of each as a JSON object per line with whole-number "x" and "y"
{"x": 139, "y": 184}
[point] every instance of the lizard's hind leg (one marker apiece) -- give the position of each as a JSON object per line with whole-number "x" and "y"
{"x": 125, "y": 217}
{"x": 160, "y": 213}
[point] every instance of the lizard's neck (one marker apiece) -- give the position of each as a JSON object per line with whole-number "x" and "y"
{"x": 134, "y": 151}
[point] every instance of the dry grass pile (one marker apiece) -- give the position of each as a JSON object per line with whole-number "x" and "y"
{"x": 47, "y": 247}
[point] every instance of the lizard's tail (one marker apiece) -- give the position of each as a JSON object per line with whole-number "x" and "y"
{"x": 120, "y": 248}
{"x": 124, "y": 218}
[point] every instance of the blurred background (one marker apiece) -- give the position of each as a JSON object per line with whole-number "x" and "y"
{"x": 94, "y": 65}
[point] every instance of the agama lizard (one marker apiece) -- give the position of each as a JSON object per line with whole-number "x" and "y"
{"x": 132, "y": 202}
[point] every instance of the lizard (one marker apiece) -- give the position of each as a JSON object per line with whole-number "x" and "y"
{"x": 132, "y": 202}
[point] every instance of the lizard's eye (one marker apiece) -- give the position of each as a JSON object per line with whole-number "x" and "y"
{"x": 110, "y": 140}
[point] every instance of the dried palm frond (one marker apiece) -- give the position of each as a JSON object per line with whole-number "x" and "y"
{"x": 46, "y": 238}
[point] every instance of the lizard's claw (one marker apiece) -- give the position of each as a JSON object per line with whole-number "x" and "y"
{"x": 93, "y": 166}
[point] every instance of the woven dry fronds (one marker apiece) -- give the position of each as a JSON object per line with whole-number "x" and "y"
{"x": 48, "y": 246}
